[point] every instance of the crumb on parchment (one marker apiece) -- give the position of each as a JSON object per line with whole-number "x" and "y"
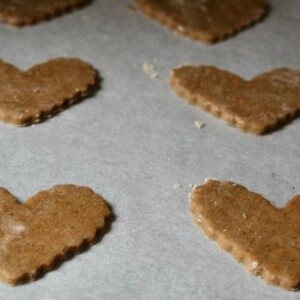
{"x": 199, "y": 124}
{"x": 177, "y": 186}
{"x": 150, "y": 70}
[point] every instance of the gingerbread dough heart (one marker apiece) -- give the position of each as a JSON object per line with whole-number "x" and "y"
{"x": 49, "y": 227}
{"x": 264, "y": 238}
{"x": 257, "y": 106}
{"x": 26, "y": 12}
{"x": 205, "y": 20}
{"x": 28, "y": 97}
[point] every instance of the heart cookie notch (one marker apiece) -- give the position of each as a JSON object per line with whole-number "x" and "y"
{"x": 43, "y": 90}
{"x": 27, "y": 12}
{"x": 205, "y": 20}
{"x": 46, "y": 229}
{"x": 257, "y": 106}
{"x": 264, "y": 238}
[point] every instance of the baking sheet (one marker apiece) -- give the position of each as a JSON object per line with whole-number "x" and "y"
{"x": 135, "y": 143}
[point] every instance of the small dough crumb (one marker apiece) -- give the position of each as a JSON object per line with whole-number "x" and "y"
{"x": 177, "y": 186}
{"x": 150, "y": 70}
{"x": 199, "y": 124}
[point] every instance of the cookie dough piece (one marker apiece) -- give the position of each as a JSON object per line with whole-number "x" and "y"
{"x": 205, "y": 20}
{"x": 264, "y": 238}
{"x": 257, "y": 106}
{"x": 46, "y": 229}
{"x": 45, "y": 89}
{"x": 27, "y": 12}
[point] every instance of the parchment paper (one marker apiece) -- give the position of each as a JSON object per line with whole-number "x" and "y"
{"x": 135, "y": 143}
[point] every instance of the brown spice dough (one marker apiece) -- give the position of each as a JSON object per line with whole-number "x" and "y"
{"x": 257, "y": 106}
{"x": 28, "y": 97}
{"x": 264, "y": 238}
{"x": 26, "y": 12}
{"x": 205, "y": 20}
{"x": 49, "y": 227}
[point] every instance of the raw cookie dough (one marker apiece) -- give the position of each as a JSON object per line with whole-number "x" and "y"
{"x": 264, "y": 238}
{"x": 257, "y": 106}
{"x": 26, "y": 12}
{"x": 50, "y": 226}
{"x": 43, "y": 90}
{"x": 205, "y": 20}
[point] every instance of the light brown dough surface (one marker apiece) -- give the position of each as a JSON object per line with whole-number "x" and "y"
{"x": 26, "y": 12}
{"x": 264, "y": 238}
{"x": 48, "y": 227}
{"x": 257, "y": 106}
{"x": 205, "y": 20}
{"x": 30, "y": 96}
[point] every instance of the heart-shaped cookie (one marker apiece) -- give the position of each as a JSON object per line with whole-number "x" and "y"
{"x": 26, "y": 12}
{"x": 257, "y": 106}
{"x": 264, "y": 238}
{"x": 49, "y": 227}
{"x": 28, "y": 97}
{"x": 205, "y": 20}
